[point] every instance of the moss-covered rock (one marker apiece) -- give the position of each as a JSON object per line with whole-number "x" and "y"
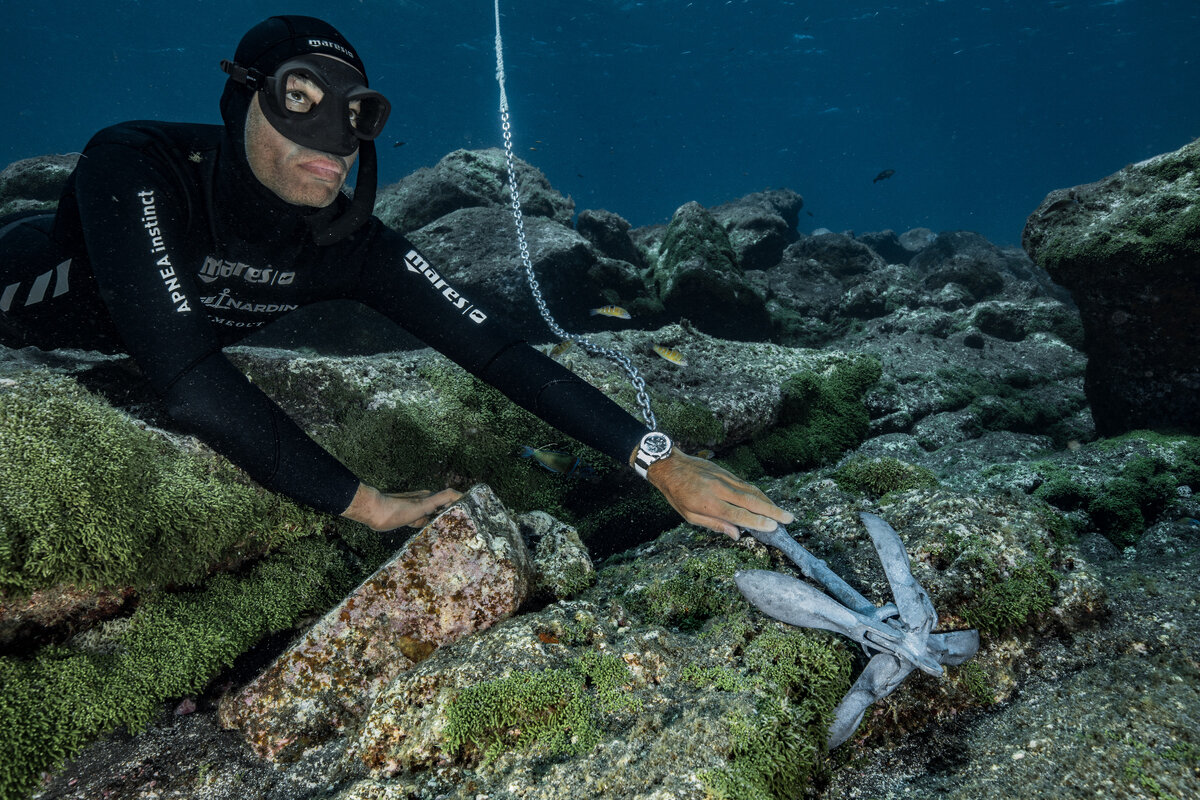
{"x": 173, "y": 645}
{"x": 821, "y": 417}
{"x": 88, "y": 495}
{"x": 879, "y": 476}
{"x": 1128, "y": 249}
{"x": 697, "y": 277}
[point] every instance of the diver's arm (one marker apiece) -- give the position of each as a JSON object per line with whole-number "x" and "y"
{"x": 401, "y": 284}
{"x": 132, "y": 205}
{"x": 414, "y": 295}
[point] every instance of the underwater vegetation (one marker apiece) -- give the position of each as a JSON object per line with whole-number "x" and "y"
{"x": 821, "y": 417}
{"x": 87, "y": 496}
{"x": 172, "y": 646}
{"x": 1122, "y": 505}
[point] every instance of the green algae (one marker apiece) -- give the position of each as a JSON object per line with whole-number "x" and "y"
{"x": 558, "y": 710}
{"x": 821, "y": 417}
{"x": 87, "y": 496}
{"x": 1122, "y": 504}
{"x": 798, "y": 678}
{"x": 1011, "y": 601}
{"x": 175, "y": 643}
{"x": 701, "y": 589}
{"x": 880, "y": 476}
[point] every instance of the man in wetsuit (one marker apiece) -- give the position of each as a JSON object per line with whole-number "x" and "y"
{"x": 172, "y": 241}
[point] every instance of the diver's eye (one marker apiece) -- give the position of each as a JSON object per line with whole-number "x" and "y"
{"x": 354, "y": 115}
{"x": 298, "y": 101}
{"x": 302, "y": 95}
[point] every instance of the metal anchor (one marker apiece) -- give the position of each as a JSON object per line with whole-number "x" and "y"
{"x": 896, "y": 635}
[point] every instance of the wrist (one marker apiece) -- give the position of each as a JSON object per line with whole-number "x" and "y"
{"x": 655, "y": 446}
{"x": 364, "y": 507}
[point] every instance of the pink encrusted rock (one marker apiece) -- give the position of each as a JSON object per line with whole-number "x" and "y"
{"x": 468, "y": 569}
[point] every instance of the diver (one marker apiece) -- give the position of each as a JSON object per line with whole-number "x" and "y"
{"x": 174, "y": 240}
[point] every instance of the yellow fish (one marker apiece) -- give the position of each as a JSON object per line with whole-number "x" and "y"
{"x": 705, "y": 454}
{"x": 674, "y": 356}
{"x": 560, "y": 348}
{"x": 611, "y": 311}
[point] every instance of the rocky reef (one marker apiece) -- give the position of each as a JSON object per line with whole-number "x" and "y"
{"x": 171, "y": 630}
{"x": 1128, "y": 249}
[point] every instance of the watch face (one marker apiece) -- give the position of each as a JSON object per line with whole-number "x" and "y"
{"x": 656, "y": 444}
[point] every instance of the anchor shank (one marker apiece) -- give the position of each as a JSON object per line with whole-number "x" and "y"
{"x": 815, "y": 569}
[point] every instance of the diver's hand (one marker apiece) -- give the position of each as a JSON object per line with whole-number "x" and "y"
{"x": 383, "y": 512}
{"x": 705, "y": 494}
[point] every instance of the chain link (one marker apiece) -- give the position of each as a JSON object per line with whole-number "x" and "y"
{"x": 639, "y": 385}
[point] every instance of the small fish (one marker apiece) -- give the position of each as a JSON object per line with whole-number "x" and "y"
{"x": 556, "y": 462}
{"x": 674, "y": 356}
{"x": 560, "y": 348}
{"x": 611, "y": 311}
{"x": 707, "y": 455}
{"x": 883, "y": 176}
{"x": 398, "y": 144}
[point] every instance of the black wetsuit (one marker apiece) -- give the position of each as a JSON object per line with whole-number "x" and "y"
{"x": 167, "y": 247}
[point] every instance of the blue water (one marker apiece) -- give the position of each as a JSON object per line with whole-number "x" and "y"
{"x": 981, "y": 108}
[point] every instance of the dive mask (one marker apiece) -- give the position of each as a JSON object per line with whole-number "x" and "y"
{"x": 327, "y": 108}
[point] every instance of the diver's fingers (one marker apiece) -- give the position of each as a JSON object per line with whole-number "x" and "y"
{"x": 751, "y": 498}
{"x": 415, "y": 494}
{"x": 748, "y": 520}
{"x": 443, "y": 498}
{"x": 714, "y": 524}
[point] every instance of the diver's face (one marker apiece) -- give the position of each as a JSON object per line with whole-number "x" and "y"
{"x": 299, "y": 175}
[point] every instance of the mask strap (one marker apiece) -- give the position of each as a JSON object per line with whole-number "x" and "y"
{"x": 252, "y": 78}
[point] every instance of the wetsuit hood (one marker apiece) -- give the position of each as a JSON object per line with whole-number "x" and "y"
{"x": 265, "y": 47}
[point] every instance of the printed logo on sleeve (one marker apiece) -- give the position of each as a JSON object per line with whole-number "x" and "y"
{"x": 158, "y": 245}
{"x": 418, "y": 264}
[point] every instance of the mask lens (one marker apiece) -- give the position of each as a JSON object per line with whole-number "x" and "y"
{"x": 373, "y": 109}
{"x": 297, "y": 91}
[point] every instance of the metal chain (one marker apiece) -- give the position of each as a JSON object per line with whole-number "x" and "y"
{"x": 643, "y": 398}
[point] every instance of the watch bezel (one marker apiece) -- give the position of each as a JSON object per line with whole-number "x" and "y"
{"x": 645, "y": 457}
{"x": 656, "y": 444}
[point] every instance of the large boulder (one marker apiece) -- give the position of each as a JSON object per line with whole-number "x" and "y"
{"x": 34, "y": 184}
{"x": 609, "y": 233}
{"x": 475, "y": 251}
{"x": 1128, "y": 249}
{"x": 698, "y": 278}
{"x": 465, "y": 571}
{"x": 469, "y": 179}
{"x": 760, "y": 225}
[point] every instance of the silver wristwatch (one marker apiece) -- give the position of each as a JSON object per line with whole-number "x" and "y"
{"x": 654, "y": 446}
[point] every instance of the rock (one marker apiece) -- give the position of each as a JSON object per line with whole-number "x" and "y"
{"x": 967, "y": 260}
{"x": 698, "y": 278}
{"x": 609, "y": 232}
{"x": 475, "y": 251}
{"x": 466, "y": 570}
{"x": 889, "y": 246}
{"x": 917, "y": 239}
{"x": 838, "y": 254}
{"x": 469, "y": 179}
{"x": 1013, "y": 321}
{"x": 760, "y": 225}
{"x": 561, "y": 562}
{"x": 34, "y": 183}
{"x": 50, "y": 614}
{"x": 1128, "y": 249}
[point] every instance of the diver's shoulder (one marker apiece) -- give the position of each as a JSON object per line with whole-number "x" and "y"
{"x": 165, "y": 138}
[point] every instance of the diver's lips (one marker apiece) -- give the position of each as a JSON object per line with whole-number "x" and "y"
{"x": 323, "y": 169}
